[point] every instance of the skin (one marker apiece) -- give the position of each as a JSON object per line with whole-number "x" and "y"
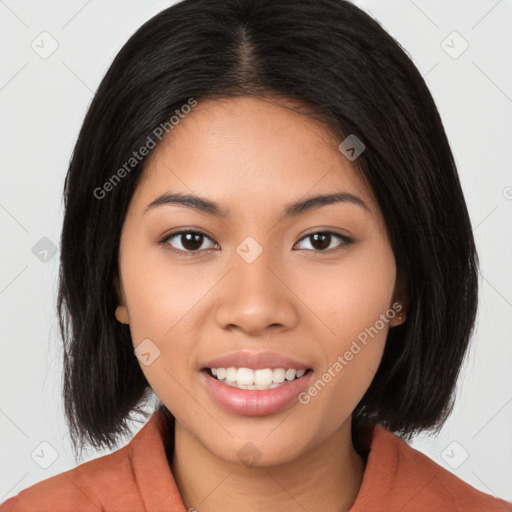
{"x": 253, "y": 157}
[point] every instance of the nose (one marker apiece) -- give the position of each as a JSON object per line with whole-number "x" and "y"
{"x": 256, "y": 298}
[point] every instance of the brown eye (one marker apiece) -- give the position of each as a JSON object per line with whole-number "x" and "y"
{"x": 191, "y": 241}
{"x": 187, "y": 241}
{"x": 322, "y": 241}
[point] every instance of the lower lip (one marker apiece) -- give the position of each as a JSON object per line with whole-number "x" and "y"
{"x": 247, "y": 402}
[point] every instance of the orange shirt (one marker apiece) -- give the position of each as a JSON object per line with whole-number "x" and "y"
{"x": 137, "y": 478}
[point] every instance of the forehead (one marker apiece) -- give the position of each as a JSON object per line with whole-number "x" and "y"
{"x": 251, "y": 152}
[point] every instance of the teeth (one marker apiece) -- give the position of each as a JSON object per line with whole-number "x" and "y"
{"x": 231, "y": 374}
{"x": 246, "y": 378}
{"x": 278, "y": 375}
{"x": 261, "y": 377}
{"x": 290, "y": 374}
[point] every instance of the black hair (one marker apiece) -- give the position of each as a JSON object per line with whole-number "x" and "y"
{"x": 336, "y": 60}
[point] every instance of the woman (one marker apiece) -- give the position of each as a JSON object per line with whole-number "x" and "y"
{"x": 264, "y": 227}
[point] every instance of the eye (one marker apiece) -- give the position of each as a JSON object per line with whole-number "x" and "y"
{"x": 187, "y": 242}
{"x": 321, "y": 241}
{"x": 192, "y": 242}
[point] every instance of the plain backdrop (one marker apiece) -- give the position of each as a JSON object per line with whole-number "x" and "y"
{"x": 53, "y": 56}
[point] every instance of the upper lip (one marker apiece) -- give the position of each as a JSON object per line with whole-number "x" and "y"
{"x": 255, "y": 360}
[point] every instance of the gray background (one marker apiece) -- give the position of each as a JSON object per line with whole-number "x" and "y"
{"x": 43, "y": 99}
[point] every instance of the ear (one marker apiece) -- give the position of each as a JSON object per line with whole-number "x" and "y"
{"x": 122, "y": 315}
{"x": 121, "y": 312}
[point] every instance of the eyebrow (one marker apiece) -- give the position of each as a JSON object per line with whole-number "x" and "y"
{"x": 202, "y": 204}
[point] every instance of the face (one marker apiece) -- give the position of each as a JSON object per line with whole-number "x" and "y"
{"x": 258, "y": 284}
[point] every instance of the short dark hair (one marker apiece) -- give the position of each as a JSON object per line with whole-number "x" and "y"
{"x": 336, "y": 60}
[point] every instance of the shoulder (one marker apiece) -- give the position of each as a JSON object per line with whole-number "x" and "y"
{"x": 135, "y": 477}
{"x": 83, "y": 488}
{"x": 411, "y": 481}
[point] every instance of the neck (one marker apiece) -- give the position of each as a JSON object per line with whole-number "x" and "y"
{"x": 316, "y": 480}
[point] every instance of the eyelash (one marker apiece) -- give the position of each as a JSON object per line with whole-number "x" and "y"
{"x": 343, "y": 238}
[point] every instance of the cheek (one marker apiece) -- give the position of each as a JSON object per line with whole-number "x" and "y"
{"x": 160, "y": 300}
{"x": 163, "y": 302}
{"x": 351, "y": 295}
{"x": 350, "y": 364}
{"x": 160, "y": 296}
{"x": 335, "y": 393}
{"x": 355, "y": 301}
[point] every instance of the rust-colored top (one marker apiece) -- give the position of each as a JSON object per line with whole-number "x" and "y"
{"x": 137, "y": 478}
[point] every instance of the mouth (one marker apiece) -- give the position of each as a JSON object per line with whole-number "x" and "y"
{"x": 255, "y": 392}
{"x": 260, "y": 379}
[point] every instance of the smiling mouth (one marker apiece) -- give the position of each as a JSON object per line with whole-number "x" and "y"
{"x": 257, "y": 380}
